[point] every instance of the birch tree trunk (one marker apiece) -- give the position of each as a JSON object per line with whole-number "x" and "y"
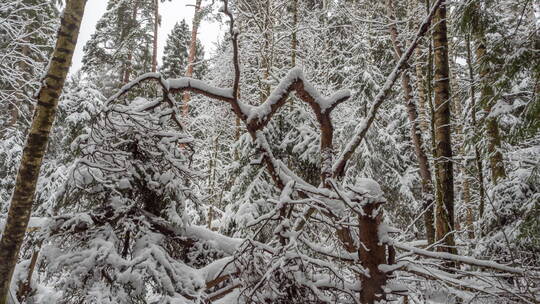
{"x": 444, "y": 217}
{"x": 36, "y": 143}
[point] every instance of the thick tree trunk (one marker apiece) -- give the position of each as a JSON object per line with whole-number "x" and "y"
{"x": 372, "y": 254}
{"x": 492, "y": 127}
{"x": 416, "y": 136}
{"x": 156, "y": 27}
{"x": 192, "y": 52}
{"x": 36, "y": 143}
{"x": 444, "y": 218}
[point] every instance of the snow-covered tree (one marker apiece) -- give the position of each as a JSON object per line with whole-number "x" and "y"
{"x": 27, "y": 30}
{"x": 175, "y": 56}
{"x": 295, "y": 174}
{"x": 121, "y": 46}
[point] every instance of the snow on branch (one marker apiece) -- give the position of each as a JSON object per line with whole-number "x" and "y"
{"x": 224, "y": 243}
{"x": 458, "y": 258}
{"x": 259, "y": 116}
{"x": 176, "y": 85}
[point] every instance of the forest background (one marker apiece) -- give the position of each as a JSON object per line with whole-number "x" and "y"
{"x": 262, "y": 175}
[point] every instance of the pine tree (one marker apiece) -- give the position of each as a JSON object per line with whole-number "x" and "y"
{"x": 121, "y": 47}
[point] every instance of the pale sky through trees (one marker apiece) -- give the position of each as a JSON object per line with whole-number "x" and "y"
{"x": 170, "y": 11}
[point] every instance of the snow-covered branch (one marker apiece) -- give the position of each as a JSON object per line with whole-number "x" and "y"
{"x": 458, "y": 258}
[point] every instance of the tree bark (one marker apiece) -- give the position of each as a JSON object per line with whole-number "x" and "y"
{"x": 492, "y": 127}
{"x": 444, "y": 218}
{"x": 424, "y": 127}
{"x": 133, "y": 21}
{"x": 464, "y": 178}
{"x": 156, "y": 27}
{"x": 36, "y": 143}
{"x": 416, "y": 137}
{"x": 372, "y": 254}
{"x": 294, "y": 38}
{"x": 192, "y": 50}
{"x": 478, "y": 160}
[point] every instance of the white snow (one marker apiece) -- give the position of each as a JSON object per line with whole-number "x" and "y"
{"x": 187, "y": 82}
{"x": 262, "y": 111}
{"x": 226, "y": 244}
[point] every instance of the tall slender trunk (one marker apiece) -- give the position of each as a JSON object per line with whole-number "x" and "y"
{"x": 416, "y": 136}
{"x": 423, "y": 121}
{"x": 294, "y": 38}
{"x": 444, "y": 218}
{"x": 478, "y": 160}
{"x": 156, "y": 27}
{"x": 266, "y": 51}
{"x": 192, "y": 52}
{"x": 133, "y": 21}
{"x": 47, "y": 103}
{"x": 492, "y": 127}
{"x": 459, "y": 135}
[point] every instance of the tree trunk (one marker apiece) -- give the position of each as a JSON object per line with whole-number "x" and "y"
{"x": 492, "y": 127}
{"x": 459, "y": 135}
{"x": 127, "y": 71}
{"x": 478, "y": 160}
{"x": 444, "y": 218}
{"x": 424, "y": 127}
{"x": 156, "y": 27}
{"x": 192, "y": 50}
{"x": 294, "y": 38}
{"x": 372, "y": 254}
{"x": 25, "y": 287}
{"x": 416, "y": 136}
{"x": 36, "y": 143}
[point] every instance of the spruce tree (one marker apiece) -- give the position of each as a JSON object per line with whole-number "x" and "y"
{"x": 175, "y": 56}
